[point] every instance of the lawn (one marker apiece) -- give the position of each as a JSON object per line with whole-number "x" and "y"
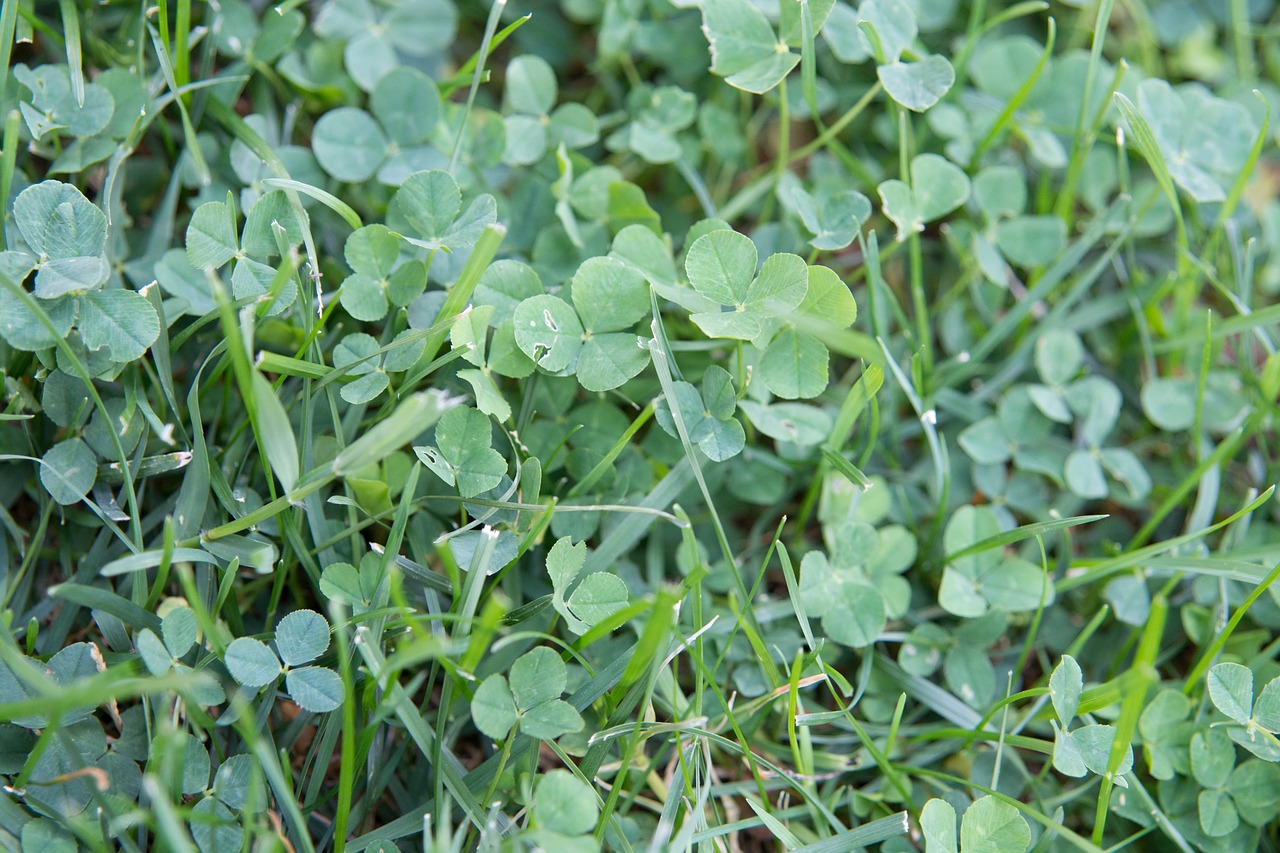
{"x": 640, "y": 425}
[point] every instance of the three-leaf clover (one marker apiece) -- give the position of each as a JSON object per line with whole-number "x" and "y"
{"x": 300, "y": 637}
{"x": 707, "y": 415}
{"x": 595, "y": 598}
{"x": 937, "y": 187}
{"x": 979, "y": 577}
{"x": 990, "y": 825}
{"x": 1087, "y": 749}
{"x": 377, "y": 34}
{"x": 353, "y": 145}
{"x": 721, "y": 266}
{"x": 1257, "y": 720}
{"x": 588, "y": 337}
{"x": 744, "y": 48}
{"x": 463, "y": 455}
{"x": 531, "y": 698}
{"x": 380, "y": 279}
{"x": 658, "y": 115}
{"x": 427, "y": 211}
{"x": 65, "y": 237}
{"x": 834, "y": 216}
{"x": 535, "y": 124}
{"x": 359, "y": 355}
{"x": 1205, "y": 140}
{"x": 212, "y": 243}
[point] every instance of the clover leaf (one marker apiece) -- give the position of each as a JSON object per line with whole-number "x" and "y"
{"x": 987, "y": 579}
{"x": 1205, "y": 139}
{"x": 68, "y": 234}
{"x": 379, "y": 280}
{"x": 427, "y": 210}
{"x": 587, "y": 338}
{"x": 707, "y": 414}
{"x": 534, "y": 123}
{"x": 917, "y": 85}
{"x": 937, "y": 187}
{"x": 989, "y": 825}
{"x": 531, "y": 698}
{"x": 377, "y": 35}
{"x": 834, "y": 218}
{"x": 463, "y": 455}
{"x": 721, "y": 265}
{"x": 744, "y": 48}
{"x": 301, "y": 637}
{"x": 595, "y": 598}
{"x": 1257, "y": 720}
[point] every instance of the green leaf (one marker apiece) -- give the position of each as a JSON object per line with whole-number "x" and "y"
{"x": 504, "y": 285}
{"x": 251, "y": 663}
{"x": 1255, "y": 788}
{"x": 1169, "y": 403}
{"x": 364, "y": 298}
{"x": 938, "y": 823}
{"x": 608, "y": 295}
{"x": 564, "y": 562}
{"x": 1205, "y": 140}
{"x": 598, "y": 596}
{"x": 429, "y": 201}
{"x": 1058, "y": 356}
{"x": 607, "y": 361}
{"x": 1095, "y": 743}
{"x": 721, "y": 265}
{"x": 550, "y": 720}
{"x": 69, "y": 471}
{"x": 744, "y": 48}
{"x": 315, "y": 688}
{"x": 123, "y": 321}
{"x": 1065, "y": 686}
{"x": 470, "y": 333}
{"x": 1218, "y": 815}
{"x": 301, "y": 637}
{"x": 1015, "y": 585}
{"x": 530, "y": 86}
{"x": 57, "y": 221}
{"x": 407, "y": 105}
{"x": 537, "y": 676}
{"x": 917, "y": 85}
{"x": 276, "y": 433}
{"x": 214, "y": 828}
{"x": 349, "y": 144}
{"x": 1032, "y": 241}
{"x": 565, "y": 804}
{"x": 993, "y": 826}
{"x": 547, "y": 330}
{"x": 987, "y": 442}
{"x": 180, "y": 631}
{"x": 463, "y": 455}
{"x": 488, "y": 398}
{"x": 492, "y": 707}
{"x": 155, "y": 655}
{"x": 793, "y": 422}
{"x": 895, "y": 25}
{"x": 937, "y": 188}
{"x": 1213, "y": 757}
{"x": 1231, "y": 689}
{"x": 1267, "y": 709}
{"x": 794, "y": 365}
{"x": 1084, "y": 475}
{"x": 211, "y": 236}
